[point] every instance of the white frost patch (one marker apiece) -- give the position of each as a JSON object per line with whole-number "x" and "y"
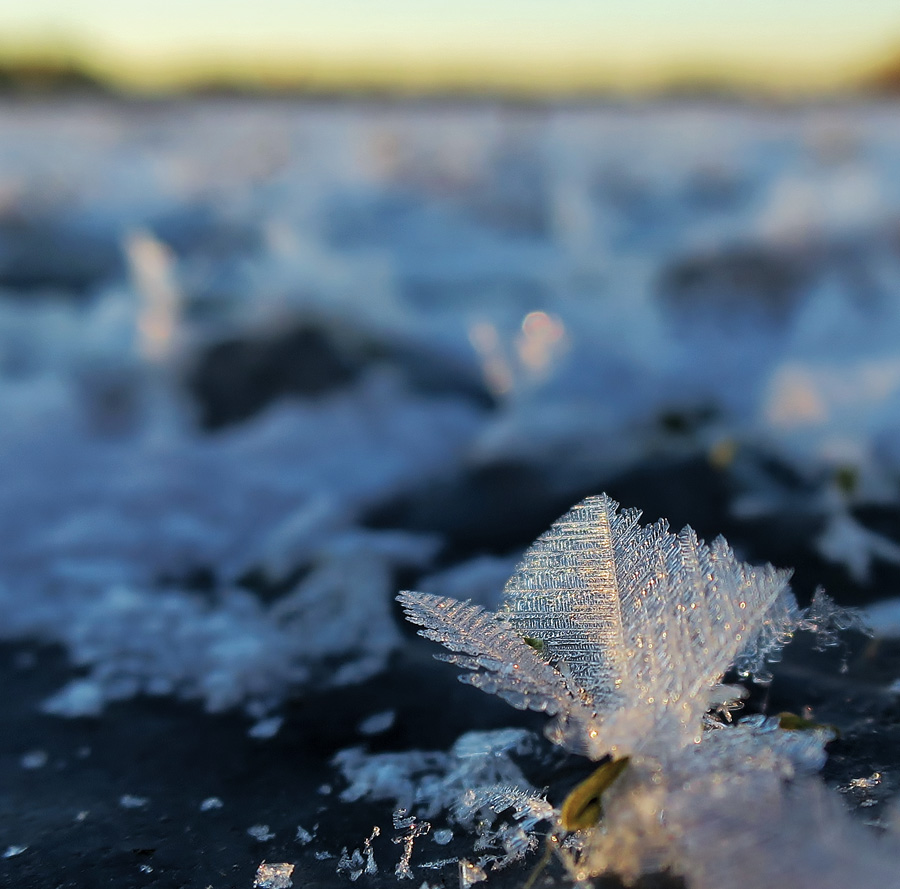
{"x": 211, "y": 803}
{"x": 377, "y": 723}
{"x": 261, "y": 833}
{"x": 232, "y": 649}
{"x": 129, "y": 801}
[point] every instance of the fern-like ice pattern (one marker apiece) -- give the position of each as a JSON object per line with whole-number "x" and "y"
{"x": 620, "y": 630}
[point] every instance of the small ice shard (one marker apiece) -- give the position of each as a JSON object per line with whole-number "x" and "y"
{"x": 325, "y": 789}
{"x": 266, "y": 728}
{"x": 411, "y": 831}
{"x": 261, "y": 832}
{"x": 437, "y": 865}
{"x": 129, "y": 801}
{"x": 13, "y": 851}
{"x": 35, "y": 759}
{"x": 273, "y": 876}
{"x": 371, "y": 867}
{"x": 351, "y": 864}
{"x": 210, "y": 803}
{"x": 145, "y": 869}
{"x": 356, "y": 863}
{"x": 303, "y": 836}
{"x": 443, "y": 836}
{"x": 377, "y": 723}
{"x": 470, "y": 873}
{"x": 321, "y": 855}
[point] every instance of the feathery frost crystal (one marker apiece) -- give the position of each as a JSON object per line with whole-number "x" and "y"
{"x": 620, "y": 631}
{"x": 623, "y": 632}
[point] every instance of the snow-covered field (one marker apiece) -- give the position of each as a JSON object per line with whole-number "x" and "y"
{"x": 230, "y": 330}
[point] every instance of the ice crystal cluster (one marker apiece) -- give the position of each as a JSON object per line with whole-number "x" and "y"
{"x": 622, "y": 633}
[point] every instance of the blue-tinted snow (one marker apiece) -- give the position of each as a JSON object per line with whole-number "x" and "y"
{"x": 597, "y": 268}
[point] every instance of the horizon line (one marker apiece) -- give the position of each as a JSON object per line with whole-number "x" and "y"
{"x": 472, "y": 75}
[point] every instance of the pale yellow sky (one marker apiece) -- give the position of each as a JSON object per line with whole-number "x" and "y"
{"x": 810, "y": 43}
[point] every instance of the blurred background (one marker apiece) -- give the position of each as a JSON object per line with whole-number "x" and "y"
{"x": 301, "y": 303}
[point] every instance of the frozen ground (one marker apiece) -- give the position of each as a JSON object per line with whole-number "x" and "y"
{"x": 263, "y": 364}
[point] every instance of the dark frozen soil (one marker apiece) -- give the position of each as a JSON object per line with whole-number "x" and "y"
{"x": 173, "y": 755}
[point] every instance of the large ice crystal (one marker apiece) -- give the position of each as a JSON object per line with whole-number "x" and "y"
{"x": 621, "y": 631}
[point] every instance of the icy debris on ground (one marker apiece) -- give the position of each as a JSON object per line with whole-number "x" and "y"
{"x": 232, "y": 649}
{"x": 863, "y": 783}
{"x": 428, "y": 782}
{"x": 470, "y": 873}
{"x": 351, "y": 865}
{"x": 129, "y": 801}
{"x": 410, "y": 831}
{"x": 303, "y": 836}
{"x": 356, "y": 863}
{"x": 470, "y": 785}
{"x": 211, "y": 803}
{"x": 13, "y": 851}
{"x": 261, "y": 833}
{"x": 273, "y": 876}
{"x": 623, "y": 633}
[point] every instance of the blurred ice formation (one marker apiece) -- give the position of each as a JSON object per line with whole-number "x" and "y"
{"x": 496, "y": 285}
